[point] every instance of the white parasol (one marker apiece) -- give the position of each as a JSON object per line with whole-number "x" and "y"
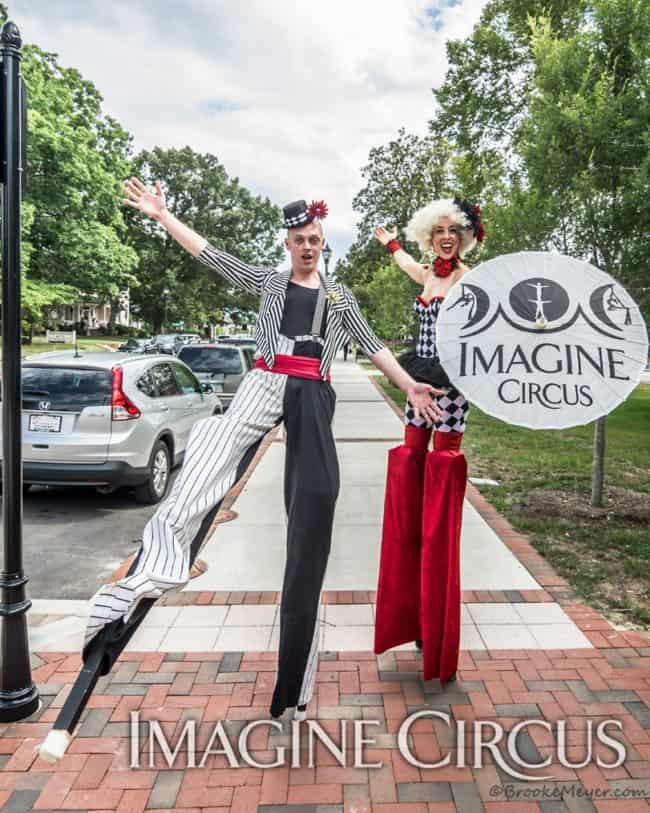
{"x": 542, "y": 340}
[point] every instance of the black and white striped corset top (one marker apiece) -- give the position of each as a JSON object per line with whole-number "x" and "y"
{"x": 427, "y": 313}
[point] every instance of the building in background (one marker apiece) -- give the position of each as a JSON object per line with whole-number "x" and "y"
{"x": 95, "y": 315}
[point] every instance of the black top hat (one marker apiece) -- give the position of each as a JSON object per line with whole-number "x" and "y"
{"x": 299, "y": 214}
{"x": 295, "y": 214}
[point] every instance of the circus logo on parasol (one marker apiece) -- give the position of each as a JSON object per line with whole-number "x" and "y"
{"x": 542, "y": 340}
{"x": 540, "y": 304}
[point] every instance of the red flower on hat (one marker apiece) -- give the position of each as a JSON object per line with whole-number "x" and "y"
{"x": 317, "y": 209}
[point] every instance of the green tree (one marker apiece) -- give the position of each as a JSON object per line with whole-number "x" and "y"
{"x": 400, "y": 177}
{"x": 50, "y": 241}
{"x": 200, "y": 193}
{"x": 483, "y": 105}
{"x": 37, "y": 296}
{"x": 585, "y": 140}
{"x": 486, "y": 92}
{"x": 388, "y": 298}
{"x": 77, "y": 157}
{"x": 585, "y": 145}
{"x": 554, "y": 98}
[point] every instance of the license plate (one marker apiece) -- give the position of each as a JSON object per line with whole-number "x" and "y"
{"x": 44, "y": 423}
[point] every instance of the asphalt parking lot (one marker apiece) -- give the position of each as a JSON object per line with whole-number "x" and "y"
{"x": 74, "y": 538}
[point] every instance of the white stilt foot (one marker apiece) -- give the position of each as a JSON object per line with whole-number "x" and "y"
{"x": 300, "y": 713}
{"x": 55, "y": 745}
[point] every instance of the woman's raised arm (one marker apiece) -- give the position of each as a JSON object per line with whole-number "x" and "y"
{"x": 414, "y": 269}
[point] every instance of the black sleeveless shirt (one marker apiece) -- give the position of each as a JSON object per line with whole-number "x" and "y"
{"x": 297, "y": 317}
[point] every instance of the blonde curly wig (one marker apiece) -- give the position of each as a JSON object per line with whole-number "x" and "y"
{"x": 420, "y": 227}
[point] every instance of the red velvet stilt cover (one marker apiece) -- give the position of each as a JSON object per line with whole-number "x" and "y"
{"x": 397, "y": 617}
{"x": 445, "y": 477}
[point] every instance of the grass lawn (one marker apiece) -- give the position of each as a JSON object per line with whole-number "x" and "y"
{"x": 89, "y": 344}
{"x": 544, "y": 490}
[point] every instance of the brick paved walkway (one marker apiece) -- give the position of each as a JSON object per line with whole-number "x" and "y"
{"x": 612, "y": 681}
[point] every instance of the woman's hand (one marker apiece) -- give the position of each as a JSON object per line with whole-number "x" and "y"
{"x": 384, "y": 235}
{"x": 140, "y": 198}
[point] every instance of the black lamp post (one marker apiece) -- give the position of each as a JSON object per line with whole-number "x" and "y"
{"x": 327, "y": 254}
{"x": 165, "y": 298}
{"x": 18, "y": 694}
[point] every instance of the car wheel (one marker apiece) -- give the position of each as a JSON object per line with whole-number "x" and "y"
{"x": 155, "y": 488}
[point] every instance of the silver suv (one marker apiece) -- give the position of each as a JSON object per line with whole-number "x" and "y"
{"x": 222, "y": 365}
{"x": 109, "y": 419}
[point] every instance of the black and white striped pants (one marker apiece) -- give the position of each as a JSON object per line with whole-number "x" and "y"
{"x": 215, "y": 449}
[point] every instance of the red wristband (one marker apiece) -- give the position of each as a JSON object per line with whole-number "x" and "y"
{"x": 392, "y": 246}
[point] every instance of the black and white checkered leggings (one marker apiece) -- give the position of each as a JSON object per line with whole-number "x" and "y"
{"x": 454, "y": 408}
{"x": 453, "y": 404}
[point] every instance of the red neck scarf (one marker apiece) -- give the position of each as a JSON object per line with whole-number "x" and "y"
{"x": 443, "y": 268}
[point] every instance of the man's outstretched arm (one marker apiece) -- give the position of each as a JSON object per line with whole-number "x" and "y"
{"x": 153, "y": 204}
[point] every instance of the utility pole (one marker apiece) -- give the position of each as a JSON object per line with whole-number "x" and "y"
{"x": 18, "y": 694}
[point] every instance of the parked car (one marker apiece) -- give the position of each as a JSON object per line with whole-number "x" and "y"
{"x": 240, "y": 341}
{"x": 139, "y": 346}
{"x": 222, "y": 365}
{"x": 109, "y": 419}
{"x": 171, "y": 343}
{"x": 188, "y": 338}
{"x": 167, "y": 343}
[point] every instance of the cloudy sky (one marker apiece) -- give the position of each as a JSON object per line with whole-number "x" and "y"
{"x": 290, "y": 96}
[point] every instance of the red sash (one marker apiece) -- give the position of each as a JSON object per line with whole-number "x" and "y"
{"x": 294, "y": 366}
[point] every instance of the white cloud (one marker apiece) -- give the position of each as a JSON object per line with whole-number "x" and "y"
{"x": 289, "y": 96}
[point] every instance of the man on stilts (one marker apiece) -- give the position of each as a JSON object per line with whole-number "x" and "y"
{"x": 304, "y": 319}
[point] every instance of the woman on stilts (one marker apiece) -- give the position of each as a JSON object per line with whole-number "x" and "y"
{"x": 418, "y": 594}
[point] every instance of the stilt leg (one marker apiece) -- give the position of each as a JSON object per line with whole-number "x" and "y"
{"x": 311, "y": 489}
{"x": 397, "y": 618}
{"x": 445, "y": 476}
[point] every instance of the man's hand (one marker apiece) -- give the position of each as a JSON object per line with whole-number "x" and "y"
{"x": 384, "y": 236}
{"x": 152, "y": 204}
{"x": 423, "y": 403}
{"x": 421, "y": 396}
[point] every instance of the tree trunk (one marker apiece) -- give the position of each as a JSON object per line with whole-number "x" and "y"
{"x": 598, "y": 464}
{"x": 115, "y": 307}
